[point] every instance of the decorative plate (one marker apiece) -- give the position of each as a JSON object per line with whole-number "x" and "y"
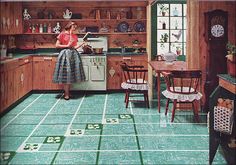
{"x": 139, "y": 26}
{"x": 123, "y": 27}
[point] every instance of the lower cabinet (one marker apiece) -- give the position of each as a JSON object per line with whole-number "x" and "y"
{"x": 114, "y": 72}
{"x": 43, "y": 68}
{"x": 24, "y": 76}
{"x": 16, "y": 81}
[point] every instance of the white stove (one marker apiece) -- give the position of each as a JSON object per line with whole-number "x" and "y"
{"x": 95, "y": 68}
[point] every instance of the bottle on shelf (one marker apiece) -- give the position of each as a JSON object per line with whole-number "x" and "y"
{"x": 139, "y": 13}
{"x": 129, "y": 13}
{"x": 37, "y": 28}
{"x": 4, "y": 49}
{"x": 29, "y": 29}
{"x": 45, "y": 28}
{"x": 33, "y": 28}
{"x": 49, "y": 28}
{"x": 41, "y": 28}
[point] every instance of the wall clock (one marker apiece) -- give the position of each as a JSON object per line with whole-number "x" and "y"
{"x": 216, "y": 36}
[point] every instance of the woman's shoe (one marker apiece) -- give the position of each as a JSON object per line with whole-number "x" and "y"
{"x": 66, "y": 97}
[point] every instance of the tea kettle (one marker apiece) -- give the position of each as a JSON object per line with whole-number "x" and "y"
{"x": 67, "y": 14}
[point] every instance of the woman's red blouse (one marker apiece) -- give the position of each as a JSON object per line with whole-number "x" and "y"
{"x": 64, "y": 38}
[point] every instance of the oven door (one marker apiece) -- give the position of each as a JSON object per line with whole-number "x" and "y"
{"x": 97, "y": 73}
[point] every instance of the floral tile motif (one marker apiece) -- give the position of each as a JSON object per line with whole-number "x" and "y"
{"x": 93, "y": 126}
{"x": 6, "y": 157}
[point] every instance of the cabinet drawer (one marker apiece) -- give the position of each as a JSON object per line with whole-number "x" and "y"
{"x": 9, "y": 65}
{"x": 44, "y": 58}
{"x": 24, "y": 60}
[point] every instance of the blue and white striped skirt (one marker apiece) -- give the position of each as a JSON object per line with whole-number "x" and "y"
{"x": 69, "y": 68}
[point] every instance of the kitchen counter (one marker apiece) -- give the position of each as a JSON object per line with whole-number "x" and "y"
{"x": 22, "y": 55}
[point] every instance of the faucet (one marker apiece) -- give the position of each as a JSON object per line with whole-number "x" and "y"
{"x": 123, "y": 49}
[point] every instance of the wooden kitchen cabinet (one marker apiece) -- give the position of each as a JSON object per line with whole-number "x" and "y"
{"x": 24, "y": 76}
{"x": 11, "y": 18}
{"x": 16, "y": 80}
{"x": 114, "y": 72}
{"x": 43, "y": 69}
{"x": 8, "y": 85}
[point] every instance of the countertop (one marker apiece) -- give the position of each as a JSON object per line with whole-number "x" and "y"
{"x": 22, "y": 55}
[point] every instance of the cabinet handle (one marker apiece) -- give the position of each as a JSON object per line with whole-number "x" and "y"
{"x": 47, "y": 58}
{"x": 22, "y": 78}
{"x": 126, "y": 58}
{"x": 26, "y": 60}
{"x": 17, "y": 22}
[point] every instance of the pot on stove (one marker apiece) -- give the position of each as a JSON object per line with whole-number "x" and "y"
{"x": 98, "y": 50}
{"x": 87, "y": 49}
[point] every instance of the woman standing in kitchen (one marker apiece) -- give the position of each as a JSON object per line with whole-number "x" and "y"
{"x": 69, "y": 67}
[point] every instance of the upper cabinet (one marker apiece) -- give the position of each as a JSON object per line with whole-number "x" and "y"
{"x": 11, "y": 18}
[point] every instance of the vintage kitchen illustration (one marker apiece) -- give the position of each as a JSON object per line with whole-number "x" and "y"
{"x": 118, "y": 82}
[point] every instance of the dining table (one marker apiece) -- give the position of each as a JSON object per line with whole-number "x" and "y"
{"x": 163, "y": 66}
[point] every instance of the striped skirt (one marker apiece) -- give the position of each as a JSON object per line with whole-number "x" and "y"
{"x": 69, "y": 67}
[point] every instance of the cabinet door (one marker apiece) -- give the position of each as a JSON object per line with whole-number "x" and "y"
{"x": 11, "y": 18}
{"x": 3, "y": 91}
{"x": 38, "y": 74}
{"x": 49, "y": 66}
{"x": 26, "y": 78}
{"x": 10, "y": 87}
{"x": 5, "y": 17}
{"x": 114, "y": 73}
{"x": 17, "y": 17}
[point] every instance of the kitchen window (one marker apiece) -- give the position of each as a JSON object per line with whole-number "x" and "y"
{"x": 169, "y": 24}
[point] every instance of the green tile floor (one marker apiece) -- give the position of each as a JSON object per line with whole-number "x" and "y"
{"x": 98, "y": 129}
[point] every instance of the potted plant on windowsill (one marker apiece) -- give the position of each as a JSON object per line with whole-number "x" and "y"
{"x": 163, "y": 9}
{"x": 231, "y": 59}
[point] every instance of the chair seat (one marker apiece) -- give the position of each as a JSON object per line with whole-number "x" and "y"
{"x": 139, "y": 85}
{"x": 182, "y": 97}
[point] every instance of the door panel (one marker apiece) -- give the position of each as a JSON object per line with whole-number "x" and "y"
{"x": 86, "y": 72}
{"x": 98, "y": 73}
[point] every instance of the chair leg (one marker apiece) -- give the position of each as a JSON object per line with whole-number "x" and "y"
{"x": 173, "y": 110}
{"x": 146, "y": 100}
{"x": 195, "y": 111}
{"x": 125, "y": 96}
{"x": 167, "y": 106}
{"x": 127, "y": 100}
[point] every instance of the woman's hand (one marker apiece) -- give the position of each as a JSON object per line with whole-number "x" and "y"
{"x": 69, "y": 45}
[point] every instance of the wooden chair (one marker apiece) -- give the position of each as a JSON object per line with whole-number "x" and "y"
{"x": 157, "y": 58}
{"x": 182, "y": 88}
{"x": 135, "y": 82}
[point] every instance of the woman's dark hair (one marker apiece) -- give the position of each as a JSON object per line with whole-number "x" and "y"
{"x": 68, "y": 26}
